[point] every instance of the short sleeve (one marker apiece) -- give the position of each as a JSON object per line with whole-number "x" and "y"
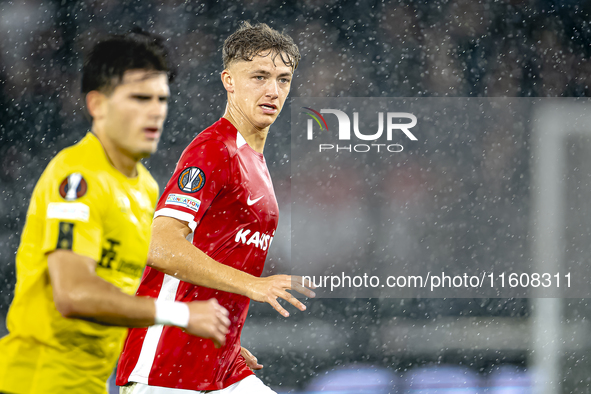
{"x": 201, "y": 173}
{"x": 71, "y": 203}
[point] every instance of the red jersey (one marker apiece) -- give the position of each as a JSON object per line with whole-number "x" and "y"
{"x": 222, "y": 188}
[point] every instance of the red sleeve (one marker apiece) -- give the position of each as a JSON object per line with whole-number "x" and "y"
{"x": 201, "y": 173}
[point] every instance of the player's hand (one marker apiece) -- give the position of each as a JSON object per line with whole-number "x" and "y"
{"x": 270, "y": 288}
{"x": 251, "y": 361}
{"x": 208, "y": 319}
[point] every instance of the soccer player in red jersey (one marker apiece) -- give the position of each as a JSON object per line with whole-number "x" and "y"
{"x": 213, "y": 227}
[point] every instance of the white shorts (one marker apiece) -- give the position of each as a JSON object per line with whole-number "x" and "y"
{"x": 249, "y": 385}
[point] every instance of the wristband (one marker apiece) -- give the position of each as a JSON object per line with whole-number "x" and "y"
{"x": 172, "y": 313}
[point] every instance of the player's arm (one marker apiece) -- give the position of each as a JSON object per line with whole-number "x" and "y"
{"x": 79, "y": 293}
{"x": 171, "y": 253}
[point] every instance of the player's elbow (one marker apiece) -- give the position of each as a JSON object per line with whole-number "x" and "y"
{"x": 65, "y": 306}
{"x": 70, "y": 304}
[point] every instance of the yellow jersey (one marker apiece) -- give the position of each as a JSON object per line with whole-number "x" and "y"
{"x": 80, "y": 203}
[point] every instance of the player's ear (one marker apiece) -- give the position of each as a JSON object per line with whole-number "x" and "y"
{"x": 228, "y": 81}
{"x": 94, "y": 103}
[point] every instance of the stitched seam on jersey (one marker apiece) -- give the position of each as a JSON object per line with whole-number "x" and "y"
{"x": 143, "y": 366}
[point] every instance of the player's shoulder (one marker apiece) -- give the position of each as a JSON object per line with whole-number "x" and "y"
{"x": 220, "y": 138}
{"x": 84, "y": 157}
{"x": 75, "y": 173}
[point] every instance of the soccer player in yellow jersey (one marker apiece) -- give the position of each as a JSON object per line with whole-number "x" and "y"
{"x": 85, "y": 242}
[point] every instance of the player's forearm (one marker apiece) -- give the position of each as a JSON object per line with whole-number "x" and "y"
{"x": 79, "y": 293}
{"x": 172, "y": 254}
{"x": 101, "y": 302}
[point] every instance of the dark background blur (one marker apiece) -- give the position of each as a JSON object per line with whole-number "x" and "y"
{"x": 407, "y": 48}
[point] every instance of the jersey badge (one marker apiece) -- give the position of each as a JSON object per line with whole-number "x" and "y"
{"x": 183, "y": 201}
{"x": 68, "y": 211}
{"x": 73, "y": 187}
{"x": 191, "y": 180}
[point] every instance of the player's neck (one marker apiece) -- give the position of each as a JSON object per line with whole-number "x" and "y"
{"x": 122, "y": 162}
{"x": 254, "y": 137}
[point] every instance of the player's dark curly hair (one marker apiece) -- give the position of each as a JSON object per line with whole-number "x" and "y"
{"x": 248, "y": 41}
{"x": 108, "y": 60}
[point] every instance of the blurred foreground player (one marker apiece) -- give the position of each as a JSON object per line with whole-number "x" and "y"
{"x": 85, "y": 243}
{"x": 213, "y": 227}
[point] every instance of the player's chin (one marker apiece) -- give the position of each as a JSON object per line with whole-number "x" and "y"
{"x": 266, "y": 121}
{"x": 147, "y": 150}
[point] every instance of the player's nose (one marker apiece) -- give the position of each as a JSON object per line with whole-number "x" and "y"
{"x": 272, "y": 90}
{"x": 158, "y": 108}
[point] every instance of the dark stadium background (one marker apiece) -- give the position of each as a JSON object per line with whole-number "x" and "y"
{"x": 464, "y": 48}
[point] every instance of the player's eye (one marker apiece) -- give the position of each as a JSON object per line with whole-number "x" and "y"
{"x": 163, "y": 99}
{"x": 259, "y": 77}
{"x": 141, "y": 97}
{"x": 284, "y": 80}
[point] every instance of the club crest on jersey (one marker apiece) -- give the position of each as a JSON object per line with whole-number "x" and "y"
{"x": 191, "y": 180}
{"x": 73, "y": 187}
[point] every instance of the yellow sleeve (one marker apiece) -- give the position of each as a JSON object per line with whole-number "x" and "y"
{"x": 73, "y": 202}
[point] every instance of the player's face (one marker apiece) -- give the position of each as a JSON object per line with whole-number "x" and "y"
{"x": 260, "y": 88}
{"x": 135, "y": 112}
